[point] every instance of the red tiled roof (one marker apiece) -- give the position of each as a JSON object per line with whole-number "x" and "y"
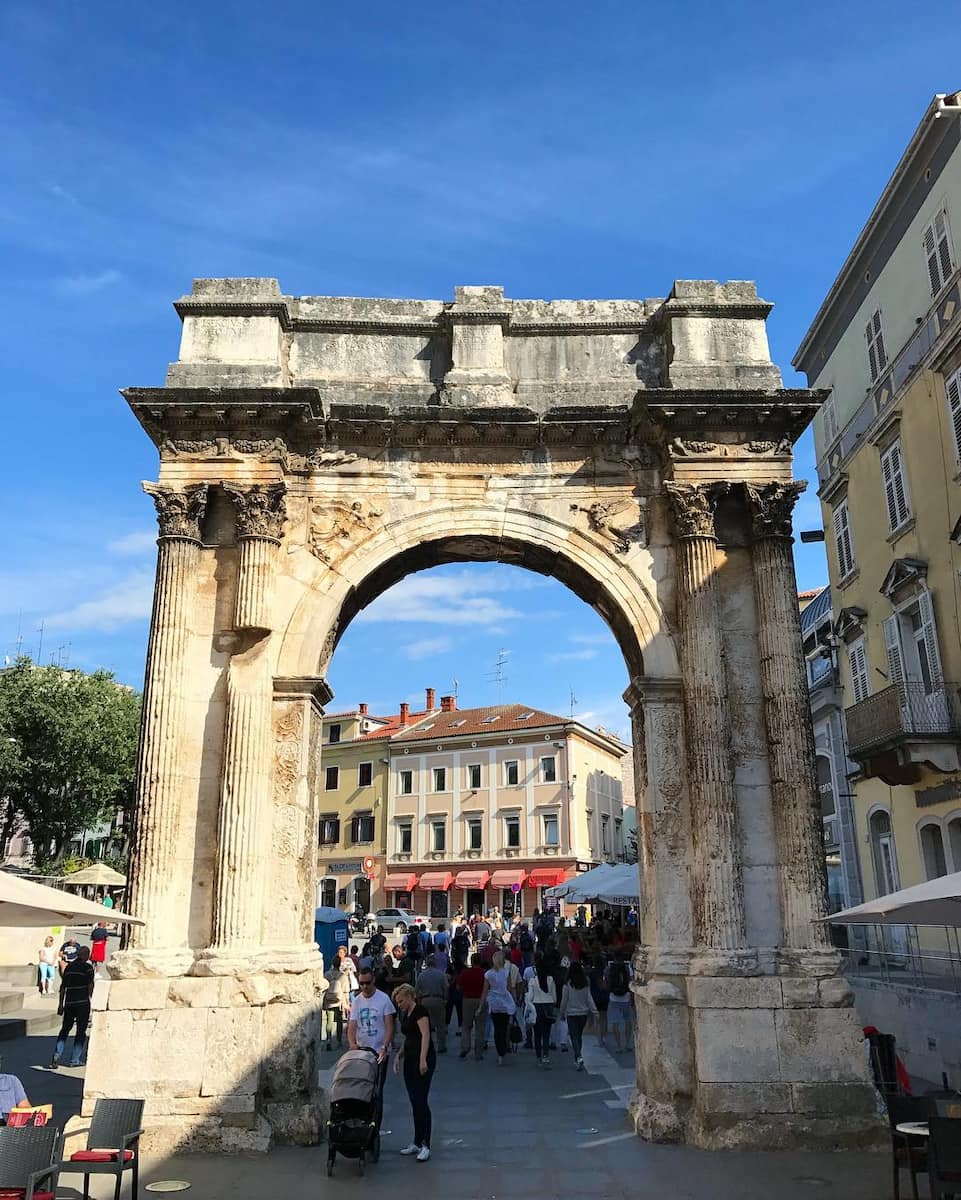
{"x": 465, "y": 722}
{"x": 809, "y": 594}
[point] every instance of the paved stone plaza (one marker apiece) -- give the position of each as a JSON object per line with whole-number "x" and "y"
{"x": 499, "y": 1132}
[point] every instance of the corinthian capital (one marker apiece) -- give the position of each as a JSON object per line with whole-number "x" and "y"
{"x": 693, "y": 505}
{"x": 178, "y": 513}
{"x": 260, "y": 508}
{"x": 771, "y": 507}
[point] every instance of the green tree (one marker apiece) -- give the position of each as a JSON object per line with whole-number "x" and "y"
{"x": 70, "y": 757}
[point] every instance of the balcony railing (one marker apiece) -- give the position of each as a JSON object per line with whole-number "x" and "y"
{"x": 903, "y": 710}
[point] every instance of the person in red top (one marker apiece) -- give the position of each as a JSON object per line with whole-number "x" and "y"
{"x": 515, "y": 955}
{"x": 576, "y": 948}
{"x": 470, "y": 983}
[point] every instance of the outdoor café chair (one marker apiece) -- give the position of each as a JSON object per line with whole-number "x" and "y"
{"x": 944, "y": 1157}
{"x": 907, "y": 1152}
{"x": 113, "y": 1145}
{"x": 29, "y": 1162}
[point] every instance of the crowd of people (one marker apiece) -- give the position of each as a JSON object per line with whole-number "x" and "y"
{"x": 538, "y": 985}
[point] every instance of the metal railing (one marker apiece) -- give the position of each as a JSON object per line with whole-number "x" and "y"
{"x": 902, "y": 710}
{"x": 926, "y": 956}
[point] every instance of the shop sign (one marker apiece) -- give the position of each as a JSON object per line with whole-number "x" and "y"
{"x": 351, "y": 866}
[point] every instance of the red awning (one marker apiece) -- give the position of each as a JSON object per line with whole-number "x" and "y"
{"x": 546, "y": 877}
{"x": 436, "y": 881}
{"x": 474, "y": 880}
{"x": 506, "y": 879}
{"x": 400, "y": 882}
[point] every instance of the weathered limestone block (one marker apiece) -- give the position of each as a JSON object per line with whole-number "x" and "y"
{"x": 147, "y": 1053}
{"x": 745, "y": 1098}
{"x": 138, "y": 993}
{"x": 831, "y": 1037}
{"x": 752, "y": 992}
{"x": 233, "y": 1052}
{"x": 736, "y": 1045}
{"x": 799, "y": 992}
{"x": 835, "y": 993}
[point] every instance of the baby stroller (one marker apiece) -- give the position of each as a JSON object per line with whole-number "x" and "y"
{"x": 356, "y": 1108}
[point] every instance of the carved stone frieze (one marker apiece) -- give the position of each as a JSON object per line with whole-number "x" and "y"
{"x": 771, "y": 507}
{"x": 179, "y": 513}
{"x": 203, "y": 449}
{"x": 260, "y": 509}
{"x": 692, "y": 506}
{"x": 334, "y": 525}
{"x": 626, "y": 532}
{"x": 692, "y": 448}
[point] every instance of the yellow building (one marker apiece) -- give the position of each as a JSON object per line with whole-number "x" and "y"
{"x": 886, "y": 346}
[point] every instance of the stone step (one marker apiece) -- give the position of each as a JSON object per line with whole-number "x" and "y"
{"x": 30, "y": 1020}
{"x": 22, "y": 975}
{"x": 11, "y": 1000}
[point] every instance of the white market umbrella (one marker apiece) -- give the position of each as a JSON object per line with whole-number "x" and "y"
{"x": 588, "y": 886}
{"x": 25, "y": 903}
{"x": 622, "y": 887}
{"x": 97, "y": 875}
{"x": 937, "y": 902}
{"x": 574, "y": 886}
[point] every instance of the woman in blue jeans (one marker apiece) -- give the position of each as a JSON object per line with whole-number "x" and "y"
{"x": 420, "y": 1059}
{"x": 543, "y": 995}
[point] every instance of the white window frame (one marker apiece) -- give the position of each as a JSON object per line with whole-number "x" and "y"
{"x": 328, "y": 786}
{"x": 556, "y": 820}
{"x": 952, "y": 843}
{"x": 932, "y": 823}
{"x": 508, "y": 820}
{"x": 938, "y": 252}
{"x": 515, "y": 763}
{"x": 438, "y": 825}
{"x": 894, "y": 478}
{"x": 438, "y": 777}
{"x": 405, "y": 783}
{"x": 408, "y": 828}
{"x": 475, "y": 824}
{"x": 331, "y": 740}
{"x": 360, "y": 767}
{"x": 355, "y": 828}
{"x": 874, "y": 337}
{"x": 860, "y": 670}
{"x": 844, "y": 539}
{"x": 829, "y": 420}
{"x": 952, "y": 389}
{"x": 901, "y": 643}
{"x": 552, "y": 759}
{"x": 474, "y": 769}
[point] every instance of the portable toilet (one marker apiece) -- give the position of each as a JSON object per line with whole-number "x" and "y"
{"x": 330, "y": 932}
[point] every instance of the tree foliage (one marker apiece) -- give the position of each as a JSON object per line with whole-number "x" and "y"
{"x": 68, "y": 749}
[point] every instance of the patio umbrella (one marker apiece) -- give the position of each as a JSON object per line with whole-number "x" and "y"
{"x": 23, "y": 902}
{"x": 622, "y": 887}
{"x": 576, "y": 886}
{"x": 937, "y": 902}
{"x": 98, "y": 875}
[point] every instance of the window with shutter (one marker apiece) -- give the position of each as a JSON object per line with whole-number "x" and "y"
{"x": 938, "y": 252}
{"x": 843, "y": 540}
{"x": 892, "y": 642}
{"x": 874, "y": 336}
{"x": 929, "y": 634}
{"x": 829, "y": 418}
{"x": 860, "y": 679}
{"x": 952, "y": 386}
{"x": 895, "y": 486}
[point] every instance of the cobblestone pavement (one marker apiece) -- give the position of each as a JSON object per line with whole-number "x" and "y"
{"x": 500, "y": 1133}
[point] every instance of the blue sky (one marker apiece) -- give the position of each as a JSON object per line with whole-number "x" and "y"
{"x": 561, "y": 150}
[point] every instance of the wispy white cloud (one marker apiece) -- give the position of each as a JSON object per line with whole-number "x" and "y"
{"x": 592, "y": 639}
{"x": 572, "y": 655}
{"x": 435, "y": 599}
{"x": 87, "y": 285}
{"x": 128, "y": 600}
{"x": 427, "y": 647}
{"x": 141, "y": 541}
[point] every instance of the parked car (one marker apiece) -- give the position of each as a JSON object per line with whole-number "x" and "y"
{"x": 394, "y": 920}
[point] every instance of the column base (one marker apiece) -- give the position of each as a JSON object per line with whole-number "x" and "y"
{"x": 752, "y": 1062}
{"x": 148, "y": 963}
{"x": 234, "y": 961}
{"x": 224, "y": 1063}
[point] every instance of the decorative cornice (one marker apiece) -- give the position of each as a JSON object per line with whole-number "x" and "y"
{"x": 692, "y": 507}
{"x": 771, "y": 507}
{"x": 178, "y": 513}
{"x": 260, "y": 508}
{"x": 651, "y": 689}
{"x": 902, "y": 573}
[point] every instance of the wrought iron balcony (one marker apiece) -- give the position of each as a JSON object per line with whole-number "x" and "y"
{"x": 897, "y": 732}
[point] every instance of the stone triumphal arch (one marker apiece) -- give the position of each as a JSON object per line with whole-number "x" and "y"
{"x": 314, "y": 450}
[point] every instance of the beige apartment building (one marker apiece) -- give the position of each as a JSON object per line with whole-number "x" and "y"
{"x": 495, "y": 805}
{"x": 886, "y": 346}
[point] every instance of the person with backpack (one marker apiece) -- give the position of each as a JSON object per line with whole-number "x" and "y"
{"x": 576, "y": 1006}
{"x": 600, "y": 995}
{"x": 543, "y": 994}
{"x": 526, "y": 944}
{"x": 414, "y": 947}
{"x": 620, "y": 1011}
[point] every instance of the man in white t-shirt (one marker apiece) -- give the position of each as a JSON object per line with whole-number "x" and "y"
{"x": 371, "y": 1020}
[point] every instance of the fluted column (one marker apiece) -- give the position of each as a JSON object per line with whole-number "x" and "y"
{"x": 159, "y": 782}
{"x": 717, "y": 886}
{"x": 798, "y": 827}
{"x": 260, "y": 513}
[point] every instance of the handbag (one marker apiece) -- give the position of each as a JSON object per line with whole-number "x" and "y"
{"x": 515, "y": 1033}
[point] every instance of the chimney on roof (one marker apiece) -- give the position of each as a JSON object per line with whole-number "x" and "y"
{"x": 448, "y": 704}
{"x": 405, "y": 713}
{"x": 431, "y": 695}
{"x": 362, "y": 709}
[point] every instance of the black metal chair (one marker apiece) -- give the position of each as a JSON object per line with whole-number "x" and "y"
{"x": 944, "y": 1157}
{"x": 113, "y": 1145}
{"x": 29, "y": 1162}
{"x": 907, "y": 1152}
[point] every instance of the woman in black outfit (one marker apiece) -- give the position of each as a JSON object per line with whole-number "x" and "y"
{"x": 419, "y": 1058}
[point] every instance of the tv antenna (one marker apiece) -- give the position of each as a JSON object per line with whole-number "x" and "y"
{"x": 499, "y": 673}
{"x": 573, "y": 703}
